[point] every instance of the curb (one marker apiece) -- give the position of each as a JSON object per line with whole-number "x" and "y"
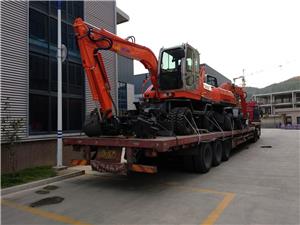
{"x": 34, "y": 184}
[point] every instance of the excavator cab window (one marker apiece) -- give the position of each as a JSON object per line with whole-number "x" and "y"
{"x": 211, "y": 80}
{"x": 191, "y": 68}
{"x": 170, "y": 69}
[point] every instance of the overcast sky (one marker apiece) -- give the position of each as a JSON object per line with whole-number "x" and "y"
{"x": 260, "y": 36}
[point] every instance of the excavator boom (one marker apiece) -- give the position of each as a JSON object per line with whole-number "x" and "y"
{"x": 91, "y": 41}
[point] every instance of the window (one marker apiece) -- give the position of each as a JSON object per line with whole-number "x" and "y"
{"x": 38, "y": 113}
{"x": 43, "y": 68}
{"x": 38, "y": 26}
{"x": 75, "y": 119}
{"x": 122, "y": 97}
{"x": 298, "y": 120}
{"x": 75, "y": 79}
{"x": 40, "y": 5}
{"x": 38, "y": 71}
{"x": 53, "y": 33}
{"x": 189, "y": 60}
{"x": 196, "y": 64}
{"x": 168, "y": 62}
{"x": 211, "y": 80}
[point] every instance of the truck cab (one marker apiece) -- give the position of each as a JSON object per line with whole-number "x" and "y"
{"x": 179, "y": 68}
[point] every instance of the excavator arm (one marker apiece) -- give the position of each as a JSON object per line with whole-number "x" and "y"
{"x": 91, "y": 41}
{"x": 240, "y": 96}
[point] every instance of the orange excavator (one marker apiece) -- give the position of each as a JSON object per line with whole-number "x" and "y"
{"x": 182, "y": 99}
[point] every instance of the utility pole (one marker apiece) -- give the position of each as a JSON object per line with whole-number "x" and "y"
{"x": 59, "y": 89}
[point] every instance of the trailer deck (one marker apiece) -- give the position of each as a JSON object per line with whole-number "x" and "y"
{"x": 160, "y": 144}
{"x": 118, "y": 154}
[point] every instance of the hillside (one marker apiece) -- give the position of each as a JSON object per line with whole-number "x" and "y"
{"x": 287, "y": 85}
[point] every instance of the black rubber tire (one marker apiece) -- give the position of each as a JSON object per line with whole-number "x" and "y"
{"x": 181, "y": 125}
{"x": 227, "y": 123}
{"x": 255, "y": 137}
{"x": 188, "y": 163}
{"x": 258, "y": 133}
{"x": 217, "y": 153}
{"x": 203, "y": 161}
{"x": 226, "y": 146}
{"x": 206, "y": 124}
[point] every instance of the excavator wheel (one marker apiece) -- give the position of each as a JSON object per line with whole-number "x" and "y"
{"x": 183, "y": 120}
{"x": 206, "y": 122}
{"x": 228, "y": 125}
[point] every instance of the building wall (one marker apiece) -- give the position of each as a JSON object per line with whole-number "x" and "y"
{"x": 102, "y": 14}
{"x": 15, "y": 57}
{"x": 125, "y": 70}
{"x": 285, "y": 103}
{"x": 272, "y": 121}
{"x": 37, "y": 150}
{"x": 130, "y": 97}
{"x": 37, "y": 153}
{"x": 14, "y": 60}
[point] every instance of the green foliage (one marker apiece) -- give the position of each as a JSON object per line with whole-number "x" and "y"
{"x": 10, "y": 128}
{"x": 26, "y": 175}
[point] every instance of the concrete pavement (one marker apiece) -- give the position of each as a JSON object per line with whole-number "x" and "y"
{"x": 256, "y": 186}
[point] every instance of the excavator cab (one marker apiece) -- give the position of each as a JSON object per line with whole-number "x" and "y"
{"x": 178, "y": 68}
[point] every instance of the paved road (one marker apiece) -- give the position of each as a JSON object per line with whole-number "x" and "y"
{"x": 256, "y": 186}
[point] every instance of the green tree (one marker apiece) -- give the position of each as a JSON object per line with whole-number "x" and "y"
{"x": 10, "y": 129}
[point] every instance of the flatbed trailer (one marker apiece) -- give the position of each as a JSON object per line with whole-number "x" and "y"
{"x": 119, "y": 154}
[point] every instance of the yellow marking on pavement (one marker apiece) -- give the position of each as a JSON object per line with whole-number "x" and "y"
{"x": 202, "y": 190}
{"x": 43, "y": 213}
{"x": 216, "y": 213}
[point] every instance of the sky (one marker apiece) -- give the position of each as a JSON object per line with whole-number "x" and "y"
{"x": 261, "y": 37}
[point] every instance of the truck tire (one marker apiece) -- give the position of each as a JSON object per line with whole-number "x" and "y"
{"x": 203, "y": 161}
{"x": 217, "y": 153}
{"x": 255, "y": 136}
{"x": 226, "y": 146}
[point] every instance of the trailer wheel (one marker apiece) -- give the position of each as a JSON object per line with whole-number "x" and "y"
{"x": 258, "y": 133}
{"x": 203, "y": 161}
{"x": 255, "y": 136}
{"x": 226, "y": 145}
{"x": 217, "y": 153}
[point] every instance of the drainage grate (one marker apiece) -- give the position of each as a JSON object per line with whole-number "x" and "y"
{"x": 50, "y": 187}
{"x": 266, "y": 146}
{"x": 42, "y": 192}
